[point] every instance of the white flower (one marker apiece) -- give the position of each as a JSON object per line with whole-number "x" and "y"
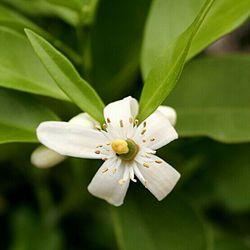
{"x": 128, "y": 149}
{"x": 43, "y": 157}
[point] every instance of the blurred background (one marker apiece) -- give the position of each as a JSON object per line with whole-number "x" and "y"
{"x": 51, "y": 209}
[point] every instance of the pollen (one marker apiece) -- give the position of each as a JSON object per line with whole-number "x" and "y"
{"x": 120, "y": 146}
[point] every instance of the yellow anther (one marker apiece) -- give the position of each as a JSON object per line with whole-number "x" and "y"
{"x": 120, "y": 146}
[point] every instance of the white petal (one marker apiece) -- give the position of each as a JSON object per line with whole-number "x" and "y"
{"x": 84, "y": 120}
{"x": 121, "y": 112}
{"x": 43, "y": 157}
{"x": 157, "y": 133}
{"x": 105, "y": 184}
{"x": 169, "y": 112}
{"x": 160, "y": 178}
{"x": 71, "y": 139}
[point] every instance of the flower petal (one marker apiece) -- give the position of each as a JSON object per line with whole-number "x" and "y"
{"x": 169, "y": 112}
{"x": 84, "y": 120}
{"x": 118, "y": 114}
{"x": 105, "y": 184}
{"x": 157, "y": 176}
{"x": 156, "y": 131}
{"x": 43, "y": 157}
{"x": 71, "y": 139}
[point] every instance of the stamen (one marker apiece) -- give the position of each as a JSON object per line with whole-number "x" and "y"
{"x": 121, "y": 123}
{"x": 136, "y": 121}
{"x": 145, "y": 184}
{"x": 143, "y": 141}
{"x": 158, "y": 161}
{"x": 98, "y": 152}
{"x": 114, "y": 170}
{"x": 143, "y": 131}
{"x": 104, "y": 159}
{"x": 99, "y": 146}
{"x": 98, "y": 127}
{"x": 105, "y": 170}
{"x": 131, "y": 120}
{"x": 104, "y": 125}
{"x": 146, "y": 165}
{"x": 144, "y": 124}
{"x": 152, "y": 139}
{"x": 108, "y": 120}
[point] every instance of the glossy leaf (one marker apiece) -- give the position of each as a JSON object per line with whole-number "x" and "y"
{"x": 20, "y": 68}
{"x": 149, "y": 225}
{"x": 167, "y": 69}
{"x": 14, "y": 20}
{"x": 66, "y": 77}
{"x": 212, "y": 99}
{"x": 168, "y": 19}
{"x": 20, "y": 114}
{"x": 116, "y": 61}
{"x": 46, "y": 8}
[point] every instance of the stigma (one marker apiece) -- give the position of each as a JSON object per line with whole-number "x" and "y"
{"x": 125, "y": 149}
{"x": 120, "y": 146}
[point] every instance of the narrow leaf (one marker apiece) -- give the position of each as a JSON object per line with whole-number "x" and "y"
{"x": 66, "y": 77}
{"x": 166, "y": 71}
{"x": 164, "y": 25}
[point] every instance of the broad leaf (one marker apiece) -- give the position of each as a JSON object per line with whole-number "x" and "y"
{"x": 167, "y": 69}
{"x": 14, "y": 20}
{"x": 46, "y": 8}
{"x": 116, "y": 61}
{"x": 29, "y": 232}
{"x": 20, "y": 114}
{"x": 212, "y": 99}
{"x": 66, "y": 77}
{"x": 21, "y": 69}
{"x": 150, "y": 225}
{"x": 168, "y": 19}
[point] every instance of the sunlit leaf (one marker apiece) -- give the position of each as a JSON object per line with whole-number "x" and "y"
{"x": 168, "y": 19}
{"x": 20, "y": 114}
{"x": 212, "y": 99}
{"x": 66, "y": 77}
{"x": 21, "y": 69}
{"x": 46, "y": 8}
{"x": 167, "y": 69}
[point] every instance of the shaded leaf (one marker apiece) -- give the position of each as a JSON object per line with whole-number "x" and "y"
{"x": 20, "y": 114}
{"x": 115, "y": 45}
{"x": 147, "y": 224}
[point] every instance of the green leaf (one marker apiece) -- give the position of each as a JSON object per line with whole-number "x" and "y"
{"x": 116, "y": 62}
{"x": 212, "y": 99}
{"x": 164, "y": 25}
{"x": 14, "y": 20}
{"x": 21, "y": 69}
{"x": 30, "y": 233}
{"x": 66, "y": 77}
{"x": 167, "y": 69}
{"x": 45, "y": 8}
{"x": 20, "y": 114}
{"x": 150, "y": 225}
{"x": 230, "y": 176}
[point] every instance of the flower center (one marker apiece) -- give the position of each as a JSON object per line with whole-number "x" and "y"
{"x": 125, "y": 149}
